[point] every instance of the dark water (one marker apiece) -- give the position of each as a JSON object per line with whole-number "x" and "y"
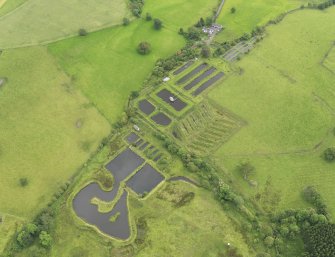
{"x": 200, "y": 78}
{"x": 165, "y": 95}
{"x": 161, "y": 119}
{"x": 182, "y": 68}
{"x": 146, "y": 107}
{"x": 189, "y": 75}
{"x": 120, "y": 227}
{"x": 146, "y": 179}
{"x": 207, "y": 84}
{"x": 121, "y": 167}
{"x": 124, "y": 164}
{"x": 132, "y": 138}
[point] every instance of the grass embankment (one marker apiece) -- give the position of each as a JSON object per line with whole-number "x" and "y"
{"x": 106, "y": 65}
{"x": 48, "y": 130}
{"x": 240, "y": 22}
{"x": 40, "y": 21}
{"x": 287, "y": 98}
{"x": 329, "y": 62}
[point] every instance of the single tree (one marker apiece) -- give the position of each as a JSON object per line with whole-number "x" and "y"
{"x": 82, "y": 32}
{"x": 144, "y": 48}
{"x": 329, "y": 154}
{"x": 126, "y": 21}
{"x": 233, "y": 10}
{"x": 23, "y": 182}
{"x": 158, "y": 24}
{"x": 148, "y": 17}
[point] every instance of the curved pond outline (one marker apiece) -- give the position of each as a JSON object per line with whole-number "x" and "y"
{"x": 121, "y": 167}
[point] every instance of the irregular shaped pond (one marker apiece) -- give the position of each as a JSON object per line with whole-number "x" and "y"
{"x": 84, "y": 209}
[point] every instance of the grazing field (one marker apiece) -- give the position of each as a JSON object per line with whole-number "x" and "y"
{"x": 287, "y": 98}
{"x": 40, "y": 21}
{"x": 240, "y": 22}
{"x": 48, "y": 130}
{"x": 105, "y": 64}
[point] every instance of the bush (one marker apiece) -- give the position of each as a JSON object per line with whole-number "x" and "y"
{"x": 329, "y": 154}
{"x": 27, "y": 235}
{"x": 158, "y": 24}
{"x": 233, "y": 10}
{"x": 144, "y": 48}
{"x": 205, "y": 51}
{"x": 23, "y": 182}
{"x": 126, "y": 21}
{"x": 45, "y": 239}
{"x": 82, "y": 32}
{"x": 268, "y": 241}
{"x": 148, "y": 17}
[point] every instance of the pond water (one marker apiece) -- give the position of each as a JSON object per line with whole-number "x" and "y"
{"x": 208, "y": 83}
{"x": 177, "y": 104}
{"x": 146, "y": 107}
{"x": 161, "y": 119}
{"x": 121, "y": 167}
{"x": 146, "y": 179}
{"x": 189, "y": 75}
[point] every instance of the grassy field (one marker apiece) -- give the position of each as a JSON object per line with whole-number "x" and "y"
{"x": 106, "y": 65}
{"x": 39, "y": 21}
{"x": 48, "y": 130}
{"x": 240, "y": 22}
{"x": 7, "y": 6}
{"x": 329, "y": 62}
{"x": 287, "y": 98}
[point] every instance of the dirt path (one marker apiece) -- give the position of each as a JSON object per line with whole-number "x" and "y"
{"x": 219, "y": 10}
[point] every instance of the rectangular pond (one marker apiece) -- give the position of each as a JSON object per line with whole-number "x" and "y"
{"x": 161, "y": 119}
{"x": 145, "y": 180}
{"x": 132, "y": 138}
{"x": 189, "y": 75}
{"x": 124, "y": 164}
{"x": 199, "y": 78}
{"x": 182, "y": 68}
{"x": 146, "y": 107}
{"x": 177, "y": 104}
{"x": 208, "y": 83}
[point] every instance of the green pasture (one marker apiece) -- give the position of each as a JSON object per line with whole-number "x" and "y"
{"x": 200, "y": 228}
{"x": 40, "y": 21}
{"x": 48, "y": 130}
{"x": 287, "y": 98}
{"x": 106, "y": 65}
{"x": 250, "y": 14}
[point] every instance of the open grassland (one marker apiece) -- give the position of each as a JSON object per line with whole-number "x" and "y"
{"x": 7, "y": 6}
{"x": 250, "y": 14}
{"x": 185, "y": 229}
{"x": 40, "y": 21}
{"x": 105, "y": 64}
{"x": 288, "y": 100}
{"x": 48, "y": 130}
